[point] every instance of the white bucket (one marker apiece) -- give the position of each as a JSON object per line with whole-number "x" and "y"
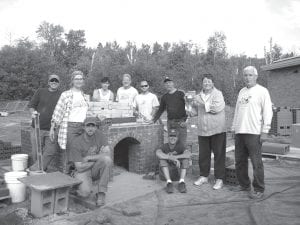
{"x": 17, "y": 190}
{"x": 19, "y": 162}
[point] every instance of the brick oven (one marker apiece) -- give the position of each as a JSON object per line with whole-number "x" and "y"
{"x": 132, "y": 145}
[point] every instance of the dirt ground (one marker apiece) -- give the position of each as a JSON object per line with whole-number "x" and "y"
{"x": 199, "y": 206}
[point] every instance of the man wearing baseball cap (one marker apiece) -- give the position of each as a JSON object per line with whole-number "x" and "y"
{"x": 173, "y": 154}
{"x": 91, "y": 156}
{"x": 43, "y": 102}
{"x": 174, "y": 102}
{"x": 251, "y": 124}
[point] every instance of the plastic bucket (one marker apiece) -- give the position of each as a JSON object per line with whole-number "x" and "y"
{"x": 17, "y": 190}
{"x": 19, "y": 162}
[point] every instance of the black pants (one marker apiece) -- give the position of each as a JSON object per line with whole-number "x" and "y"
{"x": 248, "y": 145}
{"x": 216, "y": 144}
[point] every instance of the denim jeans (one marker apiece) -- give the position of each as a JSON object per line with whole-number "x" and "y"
{"x": 49, "y": 149}
{"x": 248, "y": 145}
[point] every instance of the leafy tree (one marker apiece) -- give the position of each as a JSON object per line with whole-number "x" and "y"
{"x": 216, "y": 47}
{"x": 52, "y": 37}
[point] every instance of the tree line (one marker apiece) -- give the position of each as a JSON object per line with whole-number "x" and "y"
{"x": 25, "y": 66}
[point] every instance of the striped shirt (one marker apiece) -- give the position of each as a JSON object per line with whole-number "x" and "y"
{"x": 61, "y": 115}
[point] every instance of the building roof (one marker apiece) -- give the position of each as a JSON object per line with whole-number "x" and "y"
{"x": 282, "y": 63}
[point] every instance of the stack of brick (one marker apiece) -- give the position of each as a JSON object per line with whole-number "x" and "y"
{"x": 284, "y": 121}
{"x": 110, "y": 109}
{"x": 296, "y": 115}
{"x": 26, "y": 147}
{"x": 6, "y": 150}
{"x": 230, "y": 176}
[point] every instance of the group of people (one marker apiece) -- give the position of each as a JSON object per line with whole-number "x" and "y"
{"x": 64, "y": 125}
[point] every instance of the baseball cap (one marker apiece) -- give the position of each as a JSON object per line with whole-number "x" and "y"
{"x": 91, "y": 120}
{"x": 53, "y": 76}
{"x": 173, "y": 133}
{"x": 167, "y": 79}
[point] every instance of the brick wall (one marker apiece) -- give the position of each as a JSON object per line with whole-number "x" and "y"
{"x": 142, "y": 157}
{"x": 284, "y": 87}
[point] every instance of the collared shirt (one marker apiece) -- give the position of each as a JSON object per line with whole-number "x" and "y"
{"x": 61, "y": 116}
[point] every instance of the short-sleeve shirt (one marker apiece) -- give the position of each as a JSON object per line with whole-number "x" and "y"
{"x": 177, "y": 150}
{"x": 126, "y": 95}
{"x": 145, "y": 104}
{"x": 80, "y": 147}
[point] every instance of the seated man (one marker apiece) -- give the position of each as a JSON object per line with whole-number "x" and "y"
{"x": 91, "y": 156}
{"x": 174, "y": 153}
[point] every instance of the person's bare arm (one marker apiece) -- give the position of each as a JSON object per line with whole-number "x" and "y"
{"x": 94, "y": 158}
{"x": 185, "y": 155}
{"x": 161, "y": 155}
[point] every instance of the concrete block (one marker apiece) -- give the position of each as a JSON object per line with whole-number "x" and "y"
{"x": 61, "y": 199}
{"x": 42, "y": 202}
{"x": 275, "y": 148}
{"x": 230, "y": 176}
{"x": 296, "y": 135}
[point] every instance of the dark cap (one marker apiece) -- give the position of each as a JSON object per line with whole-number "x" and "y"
{"x": 167, "y": 79}
{"x": 172, "y": 133}
{"x": 91, "y": 120}
{"x": 53, "y": 76}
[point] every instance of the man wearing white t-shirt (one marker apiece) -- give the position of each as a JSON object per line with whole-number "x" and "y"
{"x": 251, "y": 124}
{"x": 145, "y": 104}
{"x": 127, "y": 93}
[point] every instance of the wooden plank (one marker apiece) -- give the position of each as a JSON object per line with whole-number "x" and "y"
{"x": 49, "y": 181}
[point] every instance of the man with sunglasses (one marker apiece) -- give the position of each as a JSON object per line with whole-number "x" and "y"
{"x": 43, "y": 102}
{"x": 145, "y": 104}
{"x": 91, "y": 156}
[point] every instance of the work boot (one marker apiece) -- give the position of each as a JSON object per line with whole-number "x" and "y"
{"x": 218, "y": 185}
{"x": 240, "y": 188}
{"x": 201, "y": 180}
{"x": 256, "y": 195}
{"x": 182, "y": 187}
{"x": 169, "y": 188}
{"x": 100, "y": 199}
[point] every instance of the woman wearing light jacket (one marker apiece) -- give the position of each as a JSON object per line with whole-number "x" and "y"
{"x": 70, "y": 113}
{"x": 209, "y": 106}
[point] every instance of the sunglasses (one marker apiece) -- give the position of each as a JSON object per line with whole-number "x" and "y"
{"x": 54, "y": 80}
{"x": 144, "y": 85}
{"x": 90, "y": 125}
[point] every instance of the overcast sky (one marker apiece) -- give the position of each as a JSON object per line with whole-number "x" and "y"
{"x": 248, "y": 24}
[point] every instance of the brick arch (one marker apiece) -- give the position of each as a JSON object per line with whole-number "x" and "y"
{"x": 141, "y": 157}
{"x": 122, "y": 137}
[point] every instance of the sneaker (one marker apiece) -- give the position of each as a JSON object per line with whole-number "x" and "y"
{"x": 200, "y": 181}
{"x": 218, "y": 185}
{"x": 182, "y": 187}
{"x": 100, "y": 199}
{"x": 169, "y": 188}
{"x": 256, "y": 195}
{"x": 240, "y": 188}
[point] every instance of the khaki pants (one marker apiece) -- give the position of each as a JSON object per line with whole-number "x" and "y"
{"x": 100, "y": 171}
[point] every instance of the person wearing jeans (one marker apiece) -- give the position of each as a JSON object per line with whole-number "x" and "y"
{"x": 209, "y": 106}
{"x": 44, "y": 102}
{"x": 251, "y": 124}
{"x": 91, "y": 156}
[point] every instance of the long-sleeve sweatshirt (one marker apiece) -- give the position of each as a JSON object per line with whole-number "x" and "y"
{"x": 253, "y": 111}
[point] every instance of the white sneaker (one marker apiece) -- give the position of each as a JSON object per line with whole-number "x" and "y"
{"x": 218, "y": 185}
{"x": 200, "y": 181}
